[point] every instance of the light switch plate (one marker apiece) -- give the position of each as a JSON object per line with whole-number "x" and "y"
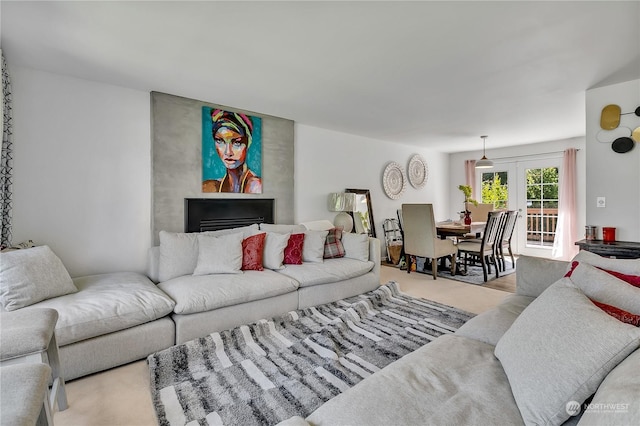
{"x": 601, "y": 202}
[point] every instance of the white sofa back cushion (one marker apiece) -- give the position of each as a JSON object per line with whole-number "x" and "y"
{"x": 32, "y": 275}
{"x": 626, "y": 266}
{"x": 179, "y": 250}
{"x": 219, "y": 254}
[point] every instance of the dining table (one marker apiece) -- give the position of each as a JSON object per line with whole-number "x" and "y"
{"x": 457, "y": 229}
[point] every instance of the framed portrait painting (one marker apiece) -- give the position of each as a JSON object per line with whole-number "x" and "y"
{"x": 231, "y": 152}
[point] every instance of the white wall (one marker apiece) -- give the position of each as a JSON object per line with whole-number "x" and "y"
{"x": 611, "y": 175}
{"x": 82, "y": 170}
{"x": 328, "y": 161}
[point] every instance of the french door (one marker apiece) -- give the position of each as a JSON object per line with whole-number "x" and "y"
{"x": 538, "y": 188}
{"x": 531, "y": 187}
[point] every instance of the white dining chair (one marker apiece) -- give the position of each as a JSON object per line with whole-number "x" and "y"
{"x": 421, "y": 238}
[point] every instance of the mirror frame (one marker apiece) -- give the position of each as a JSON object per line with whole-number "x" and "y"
{"x": 367, "y": 194}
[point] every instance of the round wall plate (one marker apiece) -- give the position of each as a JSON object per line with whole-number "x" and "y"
{"x": 622, "y": 145}
{"x": 417, "y": 171}
{"x": 393, "y": 180}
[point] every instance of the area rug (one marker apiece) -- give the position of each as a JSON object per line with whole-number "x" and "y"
{"x": 269, "y": 371}
{"x": 474, "y": 274}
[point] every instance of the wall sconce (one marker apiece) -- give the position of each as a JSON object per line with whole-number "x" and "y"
{"x": 342, "y": 202}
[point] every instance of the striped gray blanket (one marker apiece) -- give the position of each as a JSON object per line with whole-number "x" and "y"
{"x": 269, "y": 371}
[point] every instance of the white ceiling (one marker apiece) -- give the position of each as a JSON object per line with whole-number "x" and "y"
{"x": 436, "y": 74}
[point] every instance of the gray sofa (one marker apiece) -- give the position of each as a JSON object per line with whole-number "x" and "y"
{"x": 534, "y": 359}
{"x": 216, "y": 302}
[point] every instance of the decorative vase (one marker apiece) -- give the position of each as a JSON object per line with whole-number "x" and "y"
{"x": 467, "y": 218}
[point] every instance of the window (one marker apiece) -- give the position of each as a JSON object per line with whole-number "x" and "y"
{"x": 495, "y": 189}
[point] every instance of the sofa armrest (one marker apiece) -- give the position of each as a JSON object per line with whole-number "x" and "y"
{"x": 535, "y": 274}
{"x": 153, "y": 262}
{"x": 375, "y": 255}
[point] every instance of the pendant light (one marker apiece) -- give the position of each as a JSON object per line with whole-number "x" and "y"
{"x": 484, "y": 162}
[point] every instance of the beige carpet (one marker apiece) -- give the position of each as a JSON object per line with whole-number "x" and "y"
{"x": 121, "y": 396}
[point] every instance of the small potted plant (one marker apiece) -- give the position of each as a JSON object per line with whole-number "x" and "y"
{"x": 466, "y": 190}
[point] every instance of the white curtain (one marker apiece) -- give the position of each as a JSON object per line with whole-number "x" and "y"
{"x": 564, "y": 247}
{"x": 6, "y": 162}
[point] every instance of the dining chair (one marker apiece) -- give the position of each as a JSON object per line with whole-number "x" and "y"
{"x": 479, "y": 213}
{"x": 484, "y": 248}
{"x": 421, "y": 238}
{"x": 504, "y": 239}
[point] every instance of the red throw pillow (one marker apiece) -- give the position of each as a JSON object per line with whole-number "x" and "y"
{"x": 574, "y": 265}
{"x": 293, "y": 251}
{"x": 333, "y": 245}
{"x": 619, "y": 314}
{"x": 252, "y": 250}
{"x": 634, "y": 280}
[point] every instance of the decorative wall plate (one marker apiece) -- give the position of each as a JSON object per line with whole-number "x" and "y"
{"x": 417, "y": 171}
{"x": 394, "y": 180}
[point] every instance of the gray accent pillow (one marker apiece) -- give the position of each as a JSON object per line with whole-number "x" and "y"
{"x": 273, "y": 254}
{"x": 558, "y": 351}
{"x": 219, "y": 255}
{"x": 356, "y": 246}
{"x": 603, "y": 287}
{"x": 313, "y": 248}
{"x": 626, "y": 266}
{"x": 30, "y": 276}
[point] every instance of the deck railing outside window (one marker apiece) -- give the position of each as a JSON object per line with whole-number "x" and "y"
{"x": 541, "y": 226}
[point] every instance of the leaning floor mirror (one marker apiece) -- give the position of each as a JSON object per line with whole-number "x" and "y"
{"x": 363, "y": 213}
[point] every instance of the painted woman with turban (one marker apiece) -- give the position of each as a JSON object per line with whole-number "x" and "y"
{"x": 232, "y": 136}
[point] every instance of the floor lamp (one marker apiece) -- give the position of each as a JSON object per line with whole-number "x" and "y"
{"x": 342, "y": 202}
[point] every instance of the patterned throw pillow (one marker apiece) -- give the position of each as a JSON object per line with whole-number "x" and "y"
{"x": 619, "y": 314}
{"x": 293, "y": 251}
{"x": 252, "y": 250}
{"x": 333, "y": 247}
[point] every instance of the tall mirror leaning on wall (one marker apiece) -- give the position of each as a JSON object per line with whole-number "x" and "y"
{"x": 363, "y": 212}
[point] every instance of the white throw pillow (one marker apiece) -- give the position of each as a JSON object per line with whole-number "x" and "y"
{"x": 559, "y": 350}
{"x": 356, "y": 246}
{"x": 313, "y": 249}
{"x": 603, "y": 287}
{"x": 32, "y": 275}
{"x": 219, "y": 255}
{"x": 626, "y": 266}
{"x": 274, "y": 246}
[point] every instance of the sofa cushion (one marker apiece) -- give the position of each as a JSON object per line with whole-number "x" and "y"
{"x": 330, "y": 271}
{"x": 313, "y": 249}
{"x": 356, "y": 246}
{"x": 219, "y": 254}
{"x": 30, "y": 276}
{"x": 282, "y": 229}
{"x": 201, "y": 293}
{"x": 491, "y": 325}
{"x": 559, "y": 350}
{"x": 106, "y": 303}
{"x": 274, "y": 245}
{"x": 616, "y": 402}
{"x": 603, "y": 287}
{"x": 450, "y": 381}
{"x": 333, "y": 247}
{"x": 293, "y": 250}
{"x": 535, "y": 274}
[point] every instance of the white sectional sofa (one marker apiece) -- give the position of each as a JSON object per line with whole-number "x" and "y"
{"x": 546, "y": 355}
{"x": 218, "y": 301}
{"x": 112, "y": 319}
